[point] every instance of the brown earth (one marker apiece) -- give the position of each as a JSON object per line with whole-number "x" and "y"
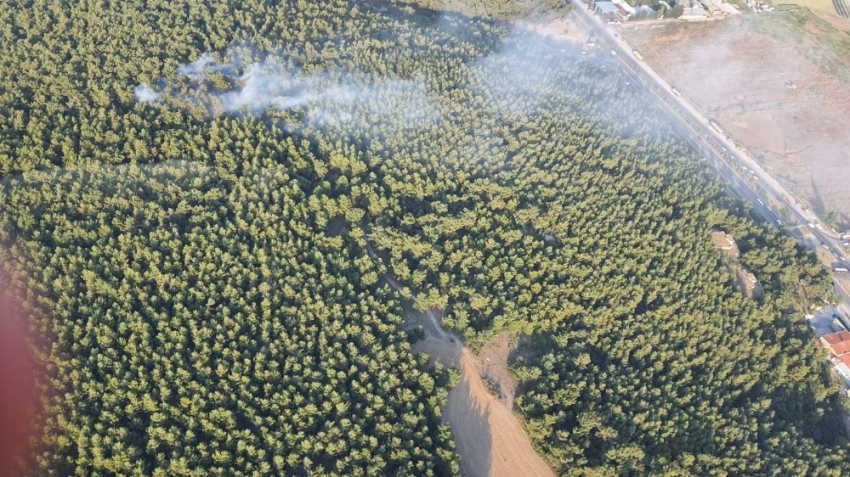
{"x": 736, "y": 71}
{"x": 725, "y": 242}
{"x": 747, "y": 282}
{"x": 494, "y": 366}
{"x": 840, "y": 23}
{"x": 557, "y": 28}
{"x": 490, "y": 439}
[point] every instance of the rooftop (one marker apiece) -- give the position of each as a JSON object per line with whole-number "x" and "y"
{"x": 605, "y": 7}
{"x": 843, "y": 370}
{"x": 838, "y": 343}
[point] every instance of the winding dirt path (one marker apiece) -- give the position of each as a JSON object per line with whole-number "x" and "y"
{"x": 490, "y": 439}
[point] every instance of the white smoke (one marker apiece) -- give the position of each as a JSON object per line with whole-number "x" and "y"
{"x": 329, "y": 98}
{"x": 267, "y": 85}
{"x": 198, "y": 67}
{"x": 145, "y": 94}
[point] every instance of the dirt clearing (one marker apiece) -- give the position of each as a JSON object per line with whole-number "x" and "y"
{"x": 557, "y": 28}
{"x": 819, "y": 5}
{"x": 747, "y": 282}
{"x": 490, "y": 439}
{"x": 494, "y": 366}
{"x": 777, "y": 83}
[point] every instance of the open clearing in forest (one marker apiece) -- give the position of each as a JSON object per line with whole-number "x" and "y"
{"x": 494, "y": 367}
{"x": 826, "y": 6}
{"x": 778, "y": 83}
{"x": 557, "y": 28}
{"x": 490, "y": 439}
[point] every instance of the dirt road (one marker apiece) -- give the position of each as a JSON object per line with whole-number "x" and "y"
{"x": 490, "y": 439}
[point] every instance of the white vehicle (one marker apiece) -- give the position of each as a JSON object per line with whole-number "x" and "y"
{"x": 759, "y": 201}
{"x": 613, "y": 53}
{"x": 779, "y": 222}
{"x": 811, "y": 225}
{"x": 638, "y": 55}
{"x": 675, "y": 91}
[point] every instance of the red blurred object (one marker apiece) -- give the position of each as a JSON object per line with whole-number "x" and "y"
{"x": 18, "y": 400}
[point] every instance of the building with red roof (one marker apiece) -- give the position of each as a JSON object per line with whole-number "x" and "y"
{"x": 838, "y": 344}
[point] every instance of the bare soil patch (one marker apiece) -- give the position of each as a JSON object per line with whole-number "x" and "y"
{"x": 838, "y": 22}
{"x": 747, "y": 282}
{"x": 438, "y": 351}
{"x": 725, "y": 242}
{"x": 494, "y": 365}
{"x": 777, "y": 84}
{"x": 558, "y": 28}
{"x": 826, "y": 258}
{"x": 490, "y": 439}
{"x": 817, "y": 5}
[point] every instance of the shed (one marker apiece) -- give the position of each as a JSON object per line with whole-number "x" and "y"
{"x": 605, "y": 8}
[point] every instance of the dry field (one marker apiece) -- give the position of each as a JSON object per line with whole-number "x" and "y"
{"x": 738, "y": 72}
{"x": 557, "y": 28}
{"x": 494, "y": 366}
{"x": 816, "y": 5}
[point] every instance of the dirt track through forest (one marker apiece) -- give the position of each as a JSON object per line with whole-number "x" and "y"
{"x": 490, "y": 439}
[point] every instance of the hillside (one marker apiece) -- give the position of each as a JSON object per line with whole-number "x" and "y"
{"x": 187, "y": 201}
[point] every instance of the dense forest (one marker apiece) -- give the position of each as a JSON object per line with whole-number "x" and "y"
{"x": 189, "y": 191}
{"x": 494, "y": 9}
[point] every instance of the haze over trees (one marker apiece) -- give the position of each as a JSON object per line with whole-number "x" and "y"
{"x": 197, "y": 254}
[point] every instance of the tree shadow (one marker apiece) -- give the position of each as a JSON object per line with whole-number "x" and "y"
{"x": 468, "y": 415}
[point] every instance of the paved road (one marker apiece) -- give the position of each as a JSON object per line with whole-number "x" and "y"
{"x": 716, "y": 148}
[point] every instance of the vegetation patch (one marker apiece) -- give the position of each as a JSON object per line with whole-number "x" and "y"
{"x": 174, "y": 178}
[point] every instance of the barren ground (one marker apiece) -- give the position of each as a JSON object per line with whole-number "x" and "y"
{"x": 557, "y": 28}
{"x": 736, "y": 71}
{"x": 825, "y": 6}
{"x": 747, "y": 282}
{"x": 494, "y": 365}
{"x": 490, "y": 439}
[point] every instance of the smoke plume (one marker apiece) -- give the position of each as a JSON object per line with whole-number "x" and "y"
{"x": 145, "y": 94}
{"x": 325, "y": 99}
